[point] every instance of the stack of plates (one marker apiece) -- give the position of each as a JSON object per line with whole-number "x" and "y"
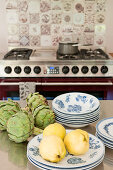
{"x": 91, "y": 159}
{"x": 76, "y": 109}
{"x": 104, "y": 131}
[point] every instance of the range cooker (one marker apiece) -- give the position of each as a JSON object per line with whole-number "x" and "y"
{"x": 90, "y": 70}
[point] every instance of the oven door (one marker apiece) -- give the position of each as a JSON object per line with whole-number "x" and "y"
{"x": 102, "y": 88}
{"x": 10, "y": 87}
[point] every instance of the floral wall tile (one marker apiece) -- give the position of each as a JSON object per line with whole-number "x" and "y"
{"x": 46, "y": 22}
{"x": 45, "y": 29}
{"x": 45, "y": 5}
{"x": 22, "y": 5}
{"x": 23, "y": 17}
{"x": 11, "y": 4}
{"x": 34, "y": 18}
{"x": 34, "y": 29}
{"x": 35, "y": 41}
{"x": 99, "y": 40}
{"x": 78, "y": 6}
{"x": 23, "y": 29}
{"x": 56, "y": 18}
{"x": 45, "y": 18}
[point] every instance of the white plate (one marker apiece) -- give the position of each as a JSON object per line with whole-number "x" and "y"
{"x": 104, "y": 139}
{"x": 77, "y": 120}
{"x": 105, "y": 142}
{"x": 76, "y": 125}
{"x": 75, "y": 103}
{"x": 96, "y": 151}
{"x": 105, "y": 128}
{"x": 44, "y": 167}
{"x": 61, "y": 114}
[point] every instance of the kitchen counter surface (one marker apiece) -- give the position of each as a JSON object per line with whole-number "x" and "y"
{"x": 13, "y": 156}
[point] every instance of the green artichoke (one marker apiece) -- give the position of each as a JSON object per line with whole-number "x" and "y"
{"x": 21, "y": 126}
{"x": 7, "y": 109}
{"x": 34, "y": 100}
{"x": 43, "y": 116}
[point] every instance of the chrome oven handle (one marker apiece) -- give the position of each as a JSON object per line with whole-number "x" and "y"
{"x": 78, "y": 84}
{"x": 14, "y": 83}
{"x": 61, "y": 84}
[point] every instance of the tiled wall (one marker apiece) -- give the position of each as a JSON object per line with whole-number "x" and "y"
{"x": 40, "y": 23}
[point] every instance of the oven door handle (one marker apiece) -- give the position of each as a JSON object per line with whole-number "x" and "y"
{"x": 78, "y": 84}
{"x": 60, "y": 84}
{"x": 15, "y": 83}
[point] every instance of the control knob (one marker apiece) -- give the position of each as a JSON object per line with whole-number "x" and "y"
{"x": 8, "y": 69}
{"x": 94, "y": 69}
{"x": 65, "y": 69}
{"x": 27, "y": 69}
{"x": 17, "y": 69}
{"x": 104, "y": 69}
{"x": 85, "y": 69}
{"x": 37, "y": 69}
{"x": 75, "y": 69}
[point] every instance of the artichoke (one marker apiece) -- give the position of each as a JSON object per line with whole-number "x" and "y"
{"x": 21, "y": 126}
{"x": 7, "y": 109}
{"x": 34, "y": 100}
{"x": 43, "y": 116}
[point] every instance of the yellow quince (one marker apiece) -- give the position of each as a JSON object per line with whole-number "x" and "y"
{"x": 55, "y": 129}
{"x": 52, "y": 148}
{"x": 77, "y": 142}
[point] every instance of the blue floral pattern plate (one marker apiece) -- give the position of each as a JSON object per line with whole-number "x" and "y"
{"x": 95, "y": 153}
{"x": 75, "y": 103}
{"x": 105, "y": 128}
{"x": 80, "y": 117}
{"x": 44, "y": 167}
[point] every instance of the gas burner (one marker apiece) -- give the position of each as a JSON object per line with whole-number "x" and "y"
{"x": 97, "y": 54}
{"x": 68, "y": 56}
{"x": 18, "y": 54}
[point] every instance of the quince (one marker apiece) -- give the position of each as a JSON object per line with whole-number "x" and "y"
{"x": 55, "y": 129}
{"x": 52, "y": 148}
{"x": 77, "y": 142}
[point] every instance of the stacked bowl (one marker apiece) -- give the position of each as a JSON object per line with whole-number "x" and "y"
{"x": 104, "y": 131}
{"x": 76, "y": 109}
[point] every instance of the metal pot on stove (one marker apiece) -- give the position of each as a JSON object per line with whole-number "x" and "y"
{"x": 69, "y": 48}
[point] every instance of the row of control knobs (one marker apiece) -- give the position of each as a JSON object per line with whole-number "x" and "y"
{"x": 65, "y": 69}
{"x": 85, "y": 69}
{"x": 18, "y": 69}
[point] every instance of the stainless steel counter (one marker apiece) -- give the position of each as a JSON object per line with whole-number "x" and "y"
{"x": 13, "y": 156}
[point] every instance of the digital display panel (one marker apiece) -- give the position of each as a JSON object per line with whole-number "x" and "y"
{"x": 51, "y": 68}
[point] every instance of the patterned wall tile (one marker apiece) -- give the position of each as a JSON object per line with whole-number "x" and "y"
{"x": 46, "y": 22}
{"x": 34, "y": 18}
{"x": 22, "y": 5}
{"x": 45, "y": 5}
{"x": 23, "y": 29}
{"x": 34, "y": 29}
{"x": 35, "y": 41}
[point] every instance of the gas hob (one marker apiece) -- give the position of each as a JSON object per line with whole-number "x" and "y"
{"x": 48, "y": 63}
